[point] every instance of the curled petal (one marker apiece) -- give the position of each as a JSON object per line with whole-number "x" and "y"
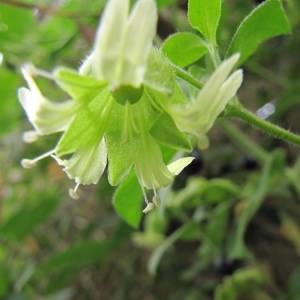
{"x": 87, "y": 164}
{"x": 177, "y": 166}
{"x": 46, "y": 116}
{"x": 150, "y": 168}
{"x": 199, "y": 116}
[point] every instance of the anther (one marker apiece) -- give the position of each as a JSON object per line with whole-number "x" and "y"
{"x": 28, "y": 163}
{"x": 156, "y": 200}
{"x": 30, "y": 136}
{"x": 73, "y": 192}
{"x": 149, "y": 207}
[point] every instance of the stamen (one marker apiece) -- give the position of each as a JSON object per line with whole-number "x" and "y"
{"x": 73, "y": 192}
{"x": 30, "y": 136}
{"x": 30, "y": 163}
{"x": 144, "y": 194}
{"x": 44, "y": 74}
{"x": 156, "y": 200}
{"x": 149, "y": 207}
{"x": 29, "y": 69}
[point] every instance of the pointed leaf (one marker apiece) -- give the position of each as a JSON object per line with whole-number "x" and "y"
{"x": 79, "y": 87}
{"x": 120, "y": 157}
{"x": 204, "y": 15}
{"x": 127, "y": 201}
{"x": 264, "y": 22}
{"x": 159, "y": 75}
{"x": 24, "y": 221}
{"x": 170, "y": 135}
{"x": 184, "y": 48}
{"x": 87, "y": 127}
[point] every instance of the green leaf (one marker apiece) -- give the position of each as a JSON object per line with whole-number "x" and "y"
{"x": 88, "y": 252}
{"x": 120, "y": 157}
{"x": 219, "y": 189}
{"x": 87, "y": 128}
{"x": 24, "y": 221}
{"x": 127, "y": 200}
{"x": 168, "y": 242}
{"x": 9, "y": 106}
{"x": 272, "y": 171}
{"x": 162, "y": 3}
{"x": 246, "y": 281}
{"x": 204, "y": 15}
{"x": 159, "y": 75}
{"x": 293, "y": 284}
{"x": 170, "y": 136}
{"x": 265, "y": 21}
{"x": 61, "y": 267}
{"x": 79, "y": 87}
{"x": 184, "y": 48}
{"x": 218, "y": 219}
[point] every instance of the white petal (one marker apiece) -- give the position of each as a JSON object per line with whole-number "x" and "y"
{"x": 208, "y": 95}
{"x": 141, "y": 30}
{"x": 177, "y": 166}
{"x": 150, "y": 168}
{"x": 87, "y": 164}
{"x": 46, "y": 116}
{"x": 109, "y": 39}
{"x": 231, "y": 85}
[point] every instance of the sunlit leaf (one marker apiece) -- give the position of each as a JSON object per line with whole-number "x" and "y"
{"x": 127, "y": 201}
{"x": 265, "y": 21}
{"x": 184, "y": 48}
{"x": 204, "y": 16}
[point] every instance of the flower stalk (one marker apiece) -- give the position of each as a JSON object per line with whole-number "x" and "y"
{"x": 237, "y": 111}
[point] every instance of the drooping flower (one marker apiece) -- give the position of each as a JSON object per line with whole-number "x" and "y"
{"x": 115, "y": 109}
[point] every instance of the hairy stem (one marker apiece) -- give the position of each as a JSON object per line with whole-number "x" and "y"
{"x": 187, "y": 77}
{"x": 236, "y": 110}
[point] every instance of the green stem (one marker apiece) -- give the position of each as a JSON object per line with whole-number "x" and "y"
{"x": 187, "y": 77}
{"x": 236, "y": 110}
{"x": 214, "y": 55}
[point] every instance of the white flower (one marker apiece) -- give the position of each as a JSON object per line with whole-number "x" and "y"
{"x": 198, "y": 117}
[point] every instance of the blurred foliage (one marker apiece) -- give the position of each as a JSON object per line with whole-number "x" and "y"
{"x": 228, "y": 229}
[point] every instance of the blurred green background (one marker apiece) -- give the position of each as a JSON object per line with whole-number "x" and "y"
{"x": 231, "y": 227}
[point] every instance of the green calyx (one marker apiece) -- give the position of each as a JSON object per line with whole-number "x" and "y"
{"x": 128, "y": 93}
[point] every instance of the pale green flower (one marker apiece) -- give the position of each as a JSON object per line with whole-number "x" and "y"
{"x": 115, "y": 113}
{"x": 199, "y": 116}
